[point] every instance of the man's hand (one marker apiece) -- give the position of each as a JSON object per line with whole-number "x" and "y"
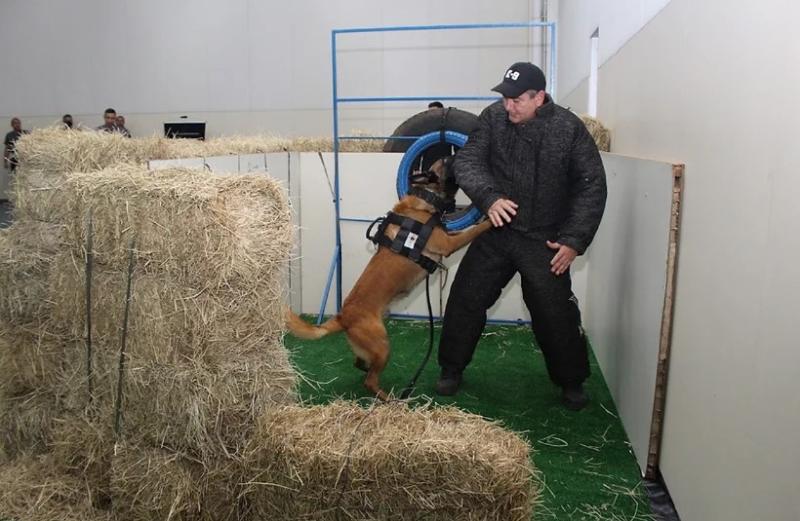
{"x": 562, "y": 259}
{"x": 502, "y": 211}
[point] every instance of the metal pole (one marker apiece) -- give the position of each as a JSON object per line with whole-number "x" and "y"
{"x": 338, "y": 250}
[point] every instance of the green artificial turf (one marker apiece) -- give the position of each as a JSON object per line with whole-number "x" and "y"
{"x": 585, "y": 461}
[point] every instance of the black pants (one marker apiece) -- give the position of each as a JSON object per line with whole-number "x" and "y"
{"x": 490, "y": 262}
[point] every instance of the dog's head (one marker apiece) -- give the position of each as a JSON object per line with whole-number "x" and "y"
{"x": 440, "y": 178}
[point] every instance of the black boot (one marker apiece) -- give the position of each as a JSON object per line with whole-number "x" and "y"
{"x": 573, "y": 397}
{"x": 448, "y": 384}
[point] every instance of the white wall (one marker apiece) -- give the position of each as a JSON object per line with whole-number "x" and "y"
{"x": 577, "y": 19}
{"x": 245, "y": 65}
{"x": 715, "y": 86}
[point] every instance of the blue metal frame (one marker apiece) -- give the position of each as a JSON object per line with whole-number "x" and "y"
{"x": 336, "y": 261}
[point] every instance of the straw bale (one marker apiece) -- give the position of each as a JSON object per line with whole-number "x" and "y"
{"x": 26, "y": 421}
{"x": 600, "y": 134}
{"x": 210, "y": 230}
{"x": 58, "y": 151}
{"x": 33, "y": 192}
{"x": 55, "y": 150}
{"x": 30, "y": 360}
{"x": 26, "y": 253}
{"x": 192, "y": 405}
{"x": 82, "y": 443}
{"x": 169, "y": 321}
{"x": 389, "y": 462}
{"x": 152, "y": 483}
{"x": 46, "y": 155}
{"x": 30, "y": 490}
{"x": 207, "y": 410}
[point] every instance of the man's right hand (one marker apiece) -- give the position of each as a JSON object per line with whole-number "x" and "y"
{"x": 502, "y": 211}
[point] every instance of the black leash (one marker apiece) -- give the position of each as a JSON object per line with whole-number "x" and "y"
{"x": 406, "y": 393}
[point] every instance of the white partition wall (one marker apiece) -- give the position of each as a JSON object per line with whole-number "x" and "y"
{"x": 627, "y": 284}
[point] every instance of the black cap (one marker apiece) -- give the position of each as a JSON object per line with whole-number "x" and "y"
{"x": 521, "y": 77}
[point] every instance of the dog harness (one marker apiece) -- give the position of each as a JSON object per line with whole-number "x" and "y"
{"x": 413, "y": 235}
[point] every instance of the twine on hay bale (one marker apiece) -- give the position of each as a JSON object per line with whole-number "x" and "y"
{"x": 600, "y": 134}
{"x": 30, "y": 490}
{"x": 389, "y": 462}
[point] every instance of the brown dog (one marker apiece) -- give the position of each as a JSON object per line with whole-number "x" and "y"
{"x": 387, "y": 276}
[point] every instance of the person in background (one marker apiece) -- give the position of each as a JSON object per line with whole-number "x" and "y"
{"x": 109, "y": 121}
{"x": 66, "y": 120}
{"x": 535, "y": 171}
{"x": 121, "y": 126}
{"x": 435, "y": 105}
{"x": 10, "y": 154}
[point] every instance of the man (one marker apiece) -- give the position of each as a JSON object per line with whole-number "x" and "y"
{"x": 121, "y": 126}
{"x": 10, "y": 154}
{"x": 535, "y": 171}
{"x": 66, "y": 120}
{"x": 109, "y": 121}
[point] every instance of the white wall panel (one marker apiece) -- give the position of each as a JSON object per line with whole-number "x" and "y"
{"x": 733, "y": 408}
{"x": 627, "y": 283}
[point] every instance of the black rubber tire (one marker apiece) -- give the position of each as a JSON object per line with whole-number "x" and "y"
{"x": 430, "y": 121}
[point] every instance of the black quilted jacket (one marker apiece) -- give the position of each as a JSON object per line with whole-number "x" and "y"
{"x": 549, "y": 166}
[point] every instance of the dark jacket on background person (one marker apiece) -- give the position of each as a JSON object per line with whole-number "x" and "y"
{"x": 561, "y": 192}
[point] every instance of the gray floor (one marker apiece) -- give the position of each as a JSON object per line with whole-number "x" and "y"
{"x": 5, "y": 214}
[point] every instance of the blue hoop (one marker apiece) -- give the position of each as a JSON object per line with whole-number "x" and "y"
{"x": 458, "y": 139}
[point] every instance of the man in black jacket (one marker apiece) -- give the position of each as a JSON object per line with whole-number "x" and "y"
{"x": 534, "y": 170}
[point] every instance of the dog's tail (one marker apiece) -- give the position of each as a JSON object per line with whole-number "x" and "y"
{"x": 302, "y": 329}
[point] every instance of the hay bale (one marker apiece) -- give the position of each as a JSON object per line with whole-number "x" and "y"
{"x": 54, "y": 150}
{"x": 46, "y": 155}
{"x": 600, "y": 134}
{"x": 153, "y": 483}
{"x": 30, "y": 360}
{"x": 170, "y": 321}
{"x": 26, "y": 421}
{"x": 201, "y": 409}
{"x": 30, "y": 490}
{"x": 390, "y": 462}
{"x": 26, "y": 253}
{"x": 199, "y": 228}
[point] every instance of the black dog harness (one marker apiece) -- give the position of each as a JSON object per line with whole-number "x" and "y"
{"x": 413, "y": 235}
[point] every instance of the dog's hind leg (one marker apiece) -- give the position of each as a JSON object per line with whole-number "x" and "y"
{"x": 370, "y": 343}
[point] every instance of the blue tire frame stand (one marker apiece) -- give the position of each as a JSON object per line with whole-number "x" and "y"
{"x": 335, "y": 268}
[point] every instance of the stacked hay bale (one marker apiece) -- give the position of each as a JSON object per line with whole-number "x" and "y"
{"x": 196, "y": 415}
{"x": 204, "y": 355}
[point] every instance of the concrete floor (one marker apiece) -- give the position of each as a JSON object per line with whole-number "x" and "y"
{"x": 5, "y": 214}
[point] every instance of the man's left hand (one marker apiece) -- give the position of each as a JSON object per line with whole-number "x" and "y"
{"x": 562, "y": 259}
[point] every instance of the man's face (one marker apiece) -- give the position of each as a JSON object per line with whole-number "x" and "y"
{"x": 120, "y": 121}
{"x": 16, "y": 124}
{"x": 523, "y": 108}
{"x": 110, "y": 119}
